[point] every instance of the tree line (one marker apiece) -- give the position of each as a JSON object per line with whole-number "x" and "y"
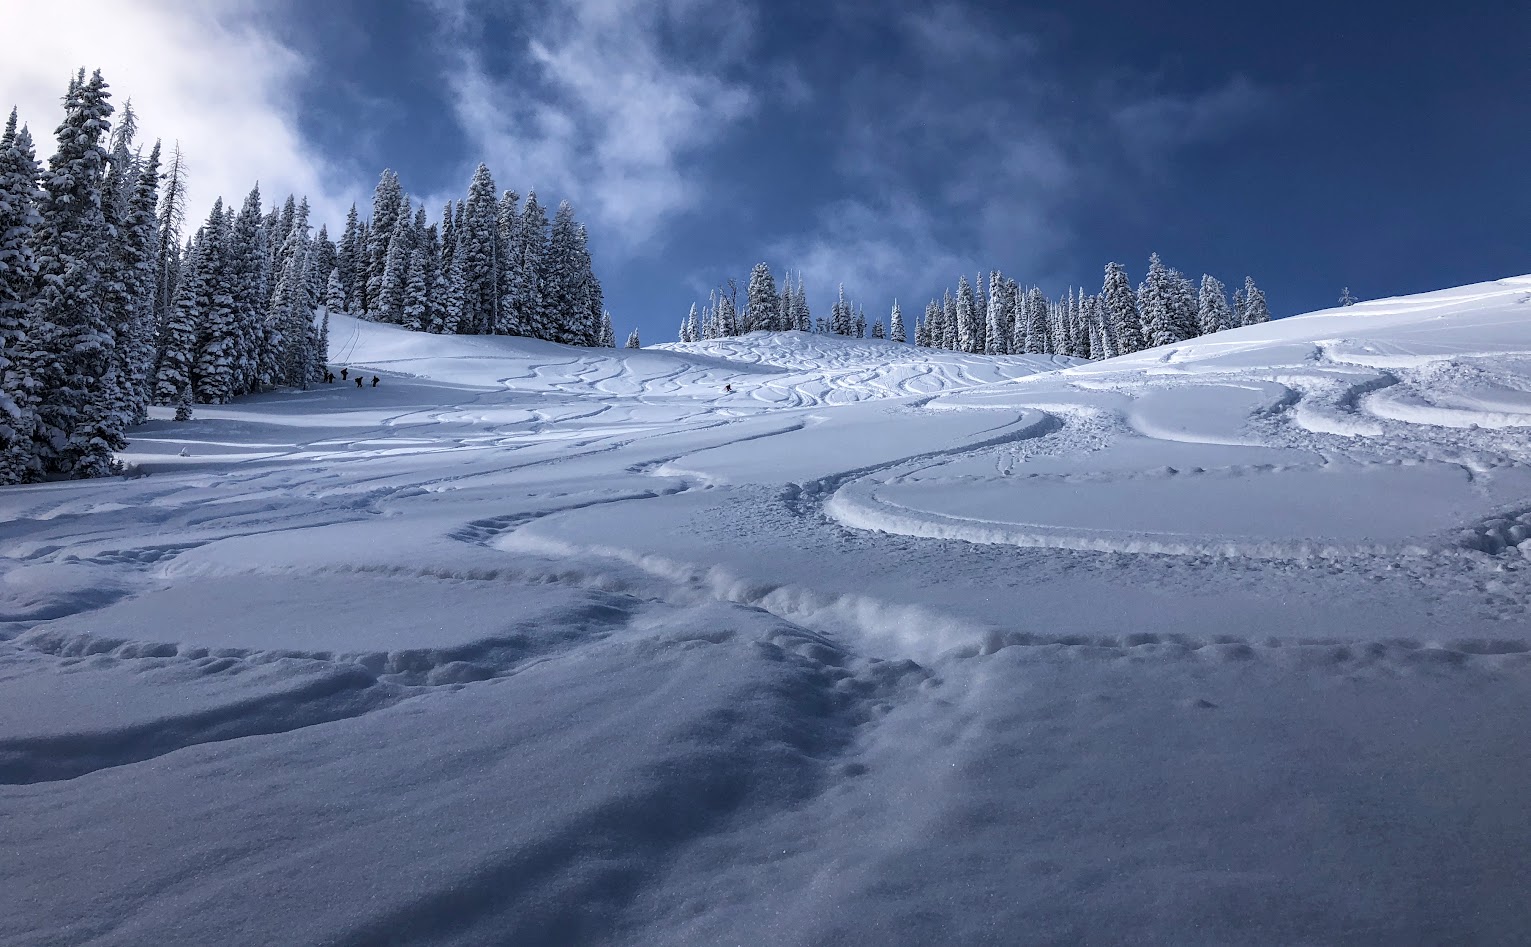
{"x": 494, "y": 266}
{"x": 1001, "y": 316}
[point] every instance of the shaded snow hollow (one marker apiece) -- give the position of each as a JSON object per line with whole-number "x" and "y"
{"x": 1222, "y": 642}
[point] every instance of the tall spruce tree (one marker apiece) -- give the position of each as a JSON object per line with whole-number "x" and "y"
{"x": 764, "y": 308}
{"x": 387, "y": 202}
{"x": 1212, "y": 313}
{"x": 1121, "y": 309}
{"x": 78, "y": 426}
{"x": 896, "y": 324}
{"x": 19, "y": 358}
{"x": 350, "y": 260}
{"x": 1256, "y": 311}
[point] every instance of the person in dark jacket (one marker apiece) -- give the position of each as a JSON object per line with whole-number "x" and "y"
{"x": 375, "y": 380}
{"x": 358, "y": 381}
{"x": 343, "y": 373}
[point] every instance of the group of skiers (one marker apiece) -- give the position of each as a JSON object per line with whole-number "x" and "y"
{"x": 329, "y": 377}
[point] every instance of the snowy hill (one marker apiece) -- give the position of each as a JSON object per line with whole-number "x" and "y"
{"x": 1224, "y": 642}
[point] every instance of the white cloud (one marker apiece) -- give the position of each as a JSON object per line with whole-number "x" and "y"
{"x": 206, "y": 74}
{"x": 604, "y": 115}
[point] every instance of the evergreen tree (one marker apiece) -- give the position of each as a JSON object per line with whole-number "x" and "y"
{"x": 1346, "y": 299}
{"x": 969, "y": 338}
{"x": 608, "y": 331}
{"x": 841, "y": 321}
{"x": 249, "y": 263}
{"x": 1158, "y": 305}
{"x": 292, "y": 309}
{"x": 178, "y": 348}
{"x": 350, "y": 261}
{"x": 690, "y": 329}
{"x": 764, "y": 308}
{"x": 632, "y": 340}
{"x": 802, "y": 318}
{"x": 326, "y": 257}
{"x": 861, "y": 323}
{"x": 415, "y": 306}
{"x": 1238, "y": 307}
{"x": 136, "y": 245}
{"x": 19, "y": 360}
{"x": 1255, "y": 310}
{"x": 1212, "y": 313}
{"x": 183, "y": 404}
{"x": 563, "y": 289}
{"x": 1038, "y": 339}
{"x": 172, "y": 218}
{"x": 78, "y": 426}
{"x": 387, "y": 202}
{"x": 388, "y": 304}
{"x": 1121, "y": 309}
{"x": 896, "y": 324}
{"x": 215, "y": 371}
{"x": 997, "y": 330}
{"x": 877, "y": 331}
{"x": 527, "y": 264}
{"x": 334, "y": 292}
{"x": 951, "y": 333}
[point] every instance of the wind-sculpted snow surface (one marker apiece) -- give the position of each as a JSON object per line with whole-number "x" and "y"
{"x": 1223, "y": 642}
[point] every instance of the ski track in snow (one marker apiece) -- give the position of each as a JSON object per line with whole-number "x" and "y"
{"x": 715, "y": 639}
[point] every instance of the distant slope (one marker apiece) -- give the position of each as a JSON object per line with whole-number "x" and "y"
{"x": 787, "y": 369}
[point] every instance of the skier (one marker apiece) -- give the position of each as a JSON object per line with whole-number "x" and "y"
{"x": 374, "y": 381}
{"x": 343, "y": 373}
{"x": 358, "y": 381}
{"x": 728, "y": 389}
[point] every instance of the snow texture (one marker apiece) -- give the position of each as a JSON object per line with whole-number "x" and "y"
{"x": 790, "y": 639}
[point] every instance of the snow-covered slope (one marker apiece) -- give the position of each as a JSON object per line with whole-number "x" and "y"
{"x": 1224, "y": 642}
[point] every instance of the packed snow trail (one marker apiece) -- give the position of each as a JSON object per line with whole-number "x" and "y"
{"x": 1223, "y": 642}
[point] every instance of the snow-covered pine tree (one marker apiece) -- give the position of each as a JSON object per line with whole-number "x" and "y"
{"x": 217, "y": 356}
{"x": 840, "y": 317}
{"x": 334, "y": 292}
{"x": 1256, "y": 311}
{"x": 478, "y": 250}
{"x": 1038, "y": 337}
{"x": 562, "y": 296}
{"x": 78, "y": 427}
{"x": 727, "y": 313}
{"x": 292, "y": 308}
{"x": 764, "y": 307}
{"x": 183, "y": 404}
{"x": 967, "y": 317}
{"x": 416, "y": 301}
{"x": 996, "y": 336}
{"x": 589, "y": 293}
{"x": 928, "y": 330}
{"x": 1157, "y": 300}
{"x": 19, "y": 359}
{"x": 632, "y": 340}
{"x": 1121, "y": 309}
{"x": 388, "y": 304}
{"x": 1238, "y": 307}
{"x": 608, "y": 331}
{"x": 1183, "y": 305}
{"x": 689, "y": 327}
{"x": 178, "y": 347}
{"x": 861, "y": 322}
{"x": 349, "y": 260}
{"x": 1346, "y": 299}
{"x": 877, "y": 330}
{"x": 1212, "y": 313}
{"x": 250, "y": 263}
{"x": 508, "y": 225}
{"x": 325, "y": 258}
{"x": 784, "y": 302}
{"x": 171, "y": 222}
{"x": 387, "y": 201}
{"x": 896, "y": 324}
{"x": 950, "y": 333}
{"x": 136, "y": 245}
{"x": 802, "y": 318}
{"x": 529, "y": 269}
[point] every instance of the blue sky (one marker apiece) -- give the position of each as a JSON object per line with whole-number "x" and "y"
{"x": 892, "y": 146}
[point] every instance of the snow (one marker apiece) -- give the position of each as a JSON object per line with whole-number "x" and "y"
{"x": 1222, "y": 642}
